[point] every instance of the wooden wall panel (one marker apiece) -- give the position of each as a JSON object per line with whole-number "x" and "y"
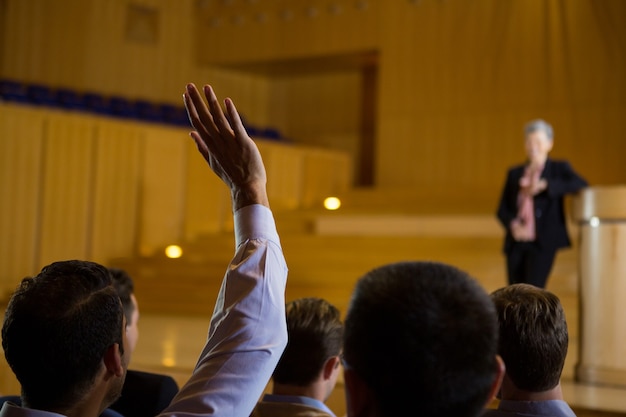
{"x": 250, "y": 93}
{"x": 67, "y": 188}
{"x": 76, "y": 186}
{"x": 320, "y": 110}
{"x": 457, "y": 79}
{"x": 43, "y": 41}
{"x": 116, "y": 204}
{"x": 125, "y": 63}
{"x": 207, "y": 203}
{"x": 85, "y": 45}
{"x": 163, "y": 188}
{"x": 325, "y": 174}
{"x": 285, "y": 29}
{"x": 284, "y": 174}
{"x": 21, "y": 133}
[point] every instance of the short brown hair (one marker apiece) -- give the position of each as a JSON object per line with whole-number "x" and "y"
{"x": 315, "y": 334}
{"x": 533, "y": 336}
{"x": 125, "y": 287}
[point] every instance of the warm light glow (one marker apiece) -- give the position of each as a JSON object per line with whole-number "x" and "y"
{"x": 173, "y": 251}
{"x": 594, "y": 222}
{"x": 168, "y": 362}
{"x": 332, "y": 203}
{"x": 169, "y": 354}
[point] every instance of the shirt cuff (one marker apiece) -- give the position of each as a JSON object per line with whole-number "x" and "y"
{"x": 255, "y": 222}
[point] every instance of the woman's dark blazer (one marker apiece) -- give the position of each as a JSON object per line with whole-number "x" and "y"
{"x": 549, "y": 211}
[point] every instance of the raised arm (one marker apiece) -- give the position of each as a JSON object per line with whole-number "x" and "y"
{"x": 247, "y": 333}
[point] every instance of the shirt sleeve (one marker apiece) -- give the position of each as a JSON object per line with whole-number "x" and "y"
{"x": 247, "y": 333}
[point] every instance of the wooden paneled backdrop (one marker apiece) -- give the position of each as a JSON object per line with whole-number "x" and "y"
{"x": 75, "y": 186}
{"x": 456, "y": 79}
{"x": 453, "y": 84}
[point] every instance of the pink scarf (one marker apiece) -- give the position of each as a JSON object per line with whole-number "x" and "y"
{"x": 525, "y": 202}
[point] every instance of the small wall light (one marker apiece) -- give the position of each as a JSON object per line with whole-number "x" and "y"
{"x": 332, "y": 203}
{"x": 173, "y": 251}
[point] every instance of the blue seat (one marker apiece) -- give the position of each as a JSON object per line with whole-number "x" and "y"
{"x": 174, "y": 115}
{"x": 147, "y": 111}
{"x": 121, "y": 107}
{"x": 95, "y": 103}
{"x": 253, "y": 131}
{"x": 41, "y": 95}
{"x": 271, "y": 133}
{"x": 13, "y": 91}
{"x": 69, "y": 99}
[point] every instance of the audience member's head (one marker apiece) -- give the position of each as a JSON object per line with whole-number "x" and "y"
{"x": 421, "y": 338}
{"x": 533, "y": 336}
{"x": 310, "y": 362}
{"x": 125, "y": 287}
{"x": 63, "y": 335}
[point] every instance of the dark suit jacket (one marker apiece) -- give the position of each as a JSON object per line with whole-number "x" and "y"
{"x": 549, "y": 212}
{"x": 145, "y": 394}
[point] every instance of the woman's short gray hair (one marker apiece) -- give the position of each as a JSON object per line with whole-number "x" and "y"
{"x": 539, "y": 124}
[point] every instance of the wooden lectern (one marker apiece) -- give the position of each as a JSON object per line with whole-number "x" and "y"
{"x": 601, "y": 214}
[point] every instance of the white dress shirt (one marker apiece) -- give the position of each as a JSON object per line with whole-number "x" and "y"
{"x": 247, "y": 333}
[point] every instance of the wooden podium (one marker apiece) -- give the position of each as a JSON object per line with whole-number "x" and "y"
{"x": 601, "y": 214}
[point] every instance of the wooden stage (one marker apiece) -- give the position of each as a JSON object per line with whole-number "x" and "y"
{"x": 326, "y": 253}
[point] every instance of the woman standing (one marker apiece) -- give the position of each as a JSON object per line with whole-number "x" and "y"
{"x": 531, "y": 208}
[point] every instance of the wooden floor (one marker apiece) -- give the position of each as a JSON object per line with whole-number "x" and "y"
{"x": 176, "y": 296}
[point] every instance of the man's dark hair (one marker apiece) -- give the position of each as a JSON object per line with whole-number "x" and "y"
{"x": 423, "y": 337}
{"x": 315, "y": 335}
{"x": 125, "y": 287}
{"x": 533, "y": 336}
{"x": 57, "y": 328}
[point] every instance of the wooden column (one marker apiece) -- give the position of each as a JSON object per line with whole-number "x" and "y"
{"x": 601, "y": 213}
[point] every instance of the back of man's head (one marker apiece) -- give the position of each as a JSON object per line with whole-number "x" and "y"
{"x": 423, "y": 337}
{"x": 533, "y": 336}
{"x": 315, "y": 335}
{"x": 125, "y": 288}
{"x": 56, "y": 330}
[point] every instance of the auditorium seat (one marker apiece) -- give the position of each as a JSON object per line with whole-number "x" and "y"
{"x": 13, "y": 91}
{"x": 95, "y": 103}
{"x": 174, "y": 115}
{"x": 270, "y": 133}
{"x": 121, "y": 107}
{"x": 89, "y": 101}
{"x": 253, "y": 131}
{"x": 41, "y": 95}
{"x": 147, "y": 111}
{"x": 69, "y": 99}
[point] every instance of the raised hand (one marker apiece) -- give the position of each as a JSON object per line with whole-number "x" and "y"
{"x": 226, "y": 146}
